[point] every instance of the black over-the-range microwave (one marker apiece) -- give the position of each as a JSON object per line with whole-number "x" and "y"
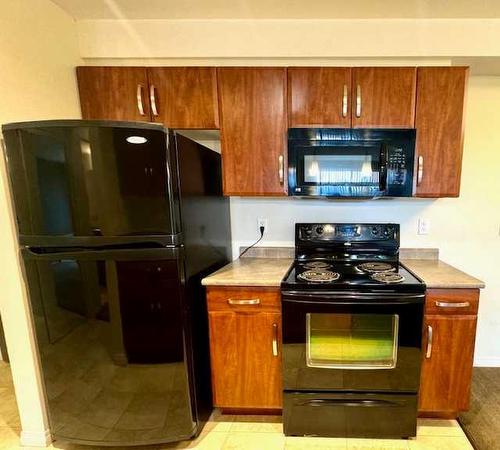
{"x": 350, "y": 162}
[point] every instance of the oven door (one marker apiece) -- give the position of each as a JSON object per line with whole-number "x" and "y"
{"x": 338, "y": 169}
{"x": 346, "y": 341}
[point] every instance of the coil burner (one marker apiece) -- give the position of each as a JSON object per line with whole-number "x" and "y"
{"x": 376, "y": 267}
{"x": 319, "y": 276}
{"x": 317, "y": 265}
{"x": 387, "y": 277}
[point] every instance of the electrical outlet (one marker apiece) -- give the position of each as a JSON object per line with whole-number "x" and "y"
{"x": 424, "y": 226}
{"x": 262, "y": 223}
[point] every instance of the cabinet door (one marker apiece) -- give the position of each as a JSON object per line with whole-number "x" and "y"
{"x": 447, "y": 363}
{"x": 245, "y": 354}
{"x": 439, "y": 123}
{"x": 383, "y": 97}
{"x": 114, "y": 93}
{"x": 319, "y": 96}
{"x": 184, "y": 97}
{"x": 252, "y": 103}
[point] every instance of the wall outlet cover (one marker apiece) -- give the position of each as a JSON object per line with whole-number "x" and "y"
{"x": 424, "y": 226}
{"x": 261, "y": 222}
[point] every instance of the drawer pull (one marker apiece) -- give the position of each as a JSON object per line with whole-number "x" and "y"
{"x": 428, "y": 352}
{"x": 275, "y": 339}
{"x": 453, "y": 304}
{"x": 243, "y": 301}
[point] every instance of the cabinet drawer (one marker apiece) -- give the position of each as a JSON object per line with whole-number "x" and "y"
{"x": 452, "y": 301}
{"x": 243, "y": 299}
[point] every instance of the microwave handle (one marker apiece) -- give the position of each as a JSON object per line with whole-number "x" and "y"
{"x": 383, "y": 167}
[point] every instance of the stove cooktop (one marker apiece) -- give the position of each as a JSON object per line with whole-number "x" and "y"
{"x": 351, "y": 275}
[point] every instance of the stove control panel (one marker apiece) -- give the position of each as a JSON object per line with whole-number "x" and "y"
{"x": 312, "y": 232}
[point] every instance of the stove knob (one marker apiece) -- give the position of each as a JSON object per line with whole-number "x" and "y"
{"x": 375, "y": 230}
{"x": 319, "y": 230}
{"x": 386, "y": 231}
{"x": 308, "y": 231}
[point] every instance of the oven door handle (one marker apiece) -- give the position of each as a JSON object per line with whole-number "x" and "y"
{"x": 354, "y": 402}
{"x": 337, "y": 297}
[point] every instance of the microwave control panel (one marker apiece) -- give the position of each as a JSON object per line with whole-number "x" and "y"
{"x": 396, "y": 166}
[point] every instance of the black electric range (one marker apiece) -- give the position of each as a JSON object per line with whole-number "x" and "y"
{"x": 351, "y": 274}
{"x": 352, "y": 331}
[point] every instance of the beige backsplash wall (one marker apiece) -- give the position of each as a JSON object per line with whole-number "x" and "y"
{"x": 466, "y": 230}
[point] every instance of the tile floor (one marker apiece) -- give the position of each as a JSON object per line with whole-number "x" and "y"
{"x": 249, "y": 433}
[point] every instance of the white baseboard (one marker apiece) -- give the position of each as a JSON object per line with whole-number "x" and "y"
{"x": 36, "y": 438}
{"x": 493, "y": 361}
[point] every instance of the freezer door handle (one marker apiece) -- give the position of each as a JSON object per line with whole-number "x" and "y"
{"x": 117, "y": 254}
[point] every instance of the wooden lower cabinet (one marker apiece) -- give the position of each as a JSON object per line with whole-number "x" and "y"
{"x": 448, "y": 351}
{"x": 245, "y": 348}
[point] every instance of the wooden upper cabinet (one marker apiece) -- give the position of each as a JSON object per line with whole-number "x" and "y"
{"x": 319, "y": 96}
{"x": 439, "y": 123}
{"x": 383, "y": 97}
{"x": 252, "y": 106}
{"x": 184, "y": 97}
{"x": 114, "y": 93}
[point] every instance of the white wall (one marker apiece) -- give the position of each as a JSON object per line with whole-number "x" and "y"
{"x": 38, "y": 53}
{"x": 466, "y": 230}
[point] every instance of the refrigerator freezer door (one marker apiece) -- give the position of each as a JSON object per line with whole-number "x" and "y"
{"x": 84, "y": 179}
{"x": 110, "y": 328}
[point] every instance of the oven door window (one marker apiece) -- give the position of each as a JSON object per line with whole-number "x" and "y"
{"x": 352, "y": 341}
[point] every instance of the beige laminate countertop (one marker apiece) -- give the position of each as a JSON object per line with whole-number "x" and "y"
{"x": 437, "y": 274}
{"x": 250, "y": 272}
{"x": 270, "y": 272}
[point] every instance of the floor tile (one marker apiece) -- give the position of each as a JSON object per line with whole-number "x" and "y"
{"x": 218, "y": 422}
{"x": 257, "y": 424}
{"x": 314, "y": 443}
{"x": 438, "y": 427}
{"x": 254, "y": 441}
{"x": 205, "y": 441}
{"x": 378, "y": 444}
{"x": 9, "y": 438}
{"x": 440, "y": 443}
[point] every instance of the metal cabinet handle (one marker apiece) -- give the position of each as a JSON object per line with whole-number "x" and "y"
{"x": 428, "y": 352}
{"x": 244, "y": 301}
{"x": 281, "y": 169}
{"x": 420, "y": 170}
{"x": 152, "y": 98}
{"x": 344, "y": 102}
{"x": 453, "y": 304}
{"x": 275, "y": 339}
{"x": 358, "y": 100}
{"x": 140, "y": 105}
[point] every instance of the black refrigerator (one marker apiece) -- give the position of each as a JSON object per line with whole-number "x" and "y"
{"x": 117, "y": 224}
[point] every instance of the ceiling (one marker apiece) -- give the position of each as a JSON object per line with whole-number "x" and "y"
{"x": 278, "y": 9}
